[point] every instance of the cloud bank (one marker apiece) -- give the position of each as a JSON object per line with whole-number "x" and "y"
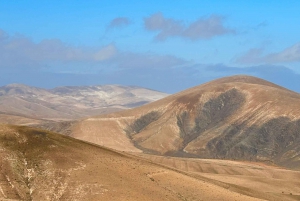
{"x": 17, "y": 51}
{"x": 201, "y": 29}
{"x": 256, "y": 55}
{"x": 21, "y": 52}
{"x": 57, "y": 63}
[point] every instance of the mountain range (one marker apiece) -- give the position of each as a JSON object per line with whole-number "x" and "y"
{"x": 30, "y": 104}
{"x": 235, "y": 138}
{"x": 235, "y": 118}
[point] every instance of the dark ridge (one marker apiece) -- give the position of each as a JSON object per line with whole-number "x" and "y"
{"x": 213, "y": 112}
{"x": 57, "y": 127}
{"x": 142, "y": 122}
{"x": 274, "y": 141}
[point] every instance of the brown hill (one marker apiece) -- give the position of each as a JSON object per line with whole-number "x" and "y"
{"x": 39, "y": 165}
{"x": 239, "y": 117}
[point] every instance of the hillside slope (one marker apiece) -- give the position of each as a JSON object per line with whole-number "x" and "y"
{"x": 250, "y": 178}
{"x": 39, "y": 165}
{"x": 238, "y": 117}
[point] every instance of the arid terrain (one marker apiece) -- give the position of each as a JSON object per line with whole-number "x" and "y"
{"x": 235, "y": 138}
{"x": 236, "y": 118}
{"x": 39, "y": 165}
{"x": 23, "y": 102}
{"x": 249, "y": 178}
{"x": 111, "y": 100}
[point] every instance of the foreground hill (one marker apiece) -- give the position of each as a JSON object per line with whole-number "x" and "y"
{"x": 239, "y": 117}
{"x": 71, "y": 102}
{"x": 39, "y": 165}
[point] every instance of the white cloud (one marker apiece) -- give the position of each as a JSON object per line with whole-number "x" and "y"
{"x": 53, "y": 55}
{"x": 166, "y": 27}
{"x": 256, "y": 55}
{"x": 17, "y": 51}
{"x": 290, "y": 54}
{"x": 203, "y": 28}
{"x": 206, "y": 28}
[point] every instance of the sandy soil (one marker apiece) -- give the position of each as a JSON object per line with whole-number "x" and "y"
{"x": 253, "y": 179}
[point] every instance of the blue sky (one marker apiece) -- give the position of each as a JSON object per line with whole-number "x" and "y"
{"x": 164, "y": 45}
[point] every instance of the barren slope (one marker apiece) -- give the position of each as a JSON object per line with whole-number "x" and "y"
{"x": 254, "y": 179}
{"x": 38, "y": 165}
{"x": 239, "y": 117}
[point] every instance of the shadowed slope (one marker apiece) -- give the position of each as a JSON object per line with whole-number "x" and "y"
{"x": 39, "y": 165}
{"x": 239, "y": 117}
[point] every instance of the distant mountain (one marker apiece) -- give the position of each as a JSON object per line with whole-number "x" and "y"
{"x": 239, "y": 117}
{"x": 71, "y": 102}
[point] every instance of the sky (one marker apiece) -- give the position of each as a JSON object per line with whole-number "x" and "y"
{"x": 163, "y": 45}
